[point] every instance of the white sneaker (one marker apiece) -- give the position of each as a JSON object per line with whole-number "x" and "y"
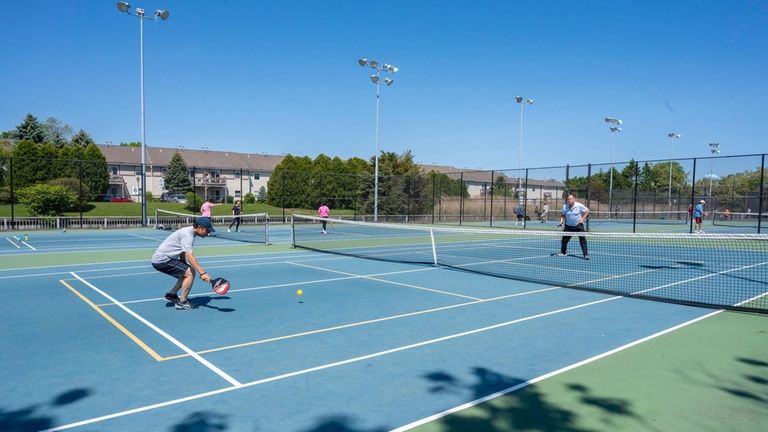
{"x": 562, "y": 254}
{"x": 228, "y": 230}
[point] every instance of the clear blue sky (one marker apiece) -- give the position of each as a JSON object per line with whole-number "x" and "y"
{"x": 282, "y": 76}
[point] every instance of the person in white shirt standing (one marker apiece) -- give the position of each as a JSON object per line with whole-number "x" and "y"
{"x": 574, "y": 216}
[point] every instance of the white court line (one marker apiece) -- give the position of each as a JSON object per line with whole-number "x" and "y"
{"x": 386, "y": 352}
{"x": 11, "y": 242}
{"x": 282, "y": 285}
{"x": 170, "y": 338}
{"x": 323, "y": 367}
{"x": 548, "y": 375}
{"x": 154, "y": 239}
{"x": 28, "y": 245}
{"x": 386, "y": 281}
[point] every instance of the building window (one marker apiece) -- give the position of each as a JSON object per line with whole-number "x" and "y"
{"x": 113, "y": 170}
{"x": 237, "y": 174}
{"x": 237, "y": 193}
{"x": 137, "y": 170}
{"x": 256, "y": 176}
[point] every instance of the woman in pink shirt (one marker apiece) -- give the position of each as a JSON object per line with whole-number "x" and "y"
{"x": 324, "y": 212}
{"x": 205, "y": 209}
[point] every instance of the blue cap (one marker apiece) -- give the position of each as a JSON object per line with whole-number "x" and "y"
{"x": 206, "y": 223}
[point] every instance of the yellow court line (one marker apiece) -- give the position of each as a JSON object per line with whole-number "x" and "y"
{"x": 114, "y": 322}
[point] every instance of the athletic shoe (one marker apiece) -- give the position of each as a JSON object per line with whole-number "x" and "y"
{"x": 184, "y": 305}
{"x": 586, "y": 257}
{"x": 229, "y": 230}
{"x": 173, "y": 298}
{"x": 562, "y": 254}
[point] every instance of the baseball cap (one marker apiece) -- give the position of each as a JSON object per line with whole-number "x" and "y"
{"x": 206, "y": 223}
{"x": 703, "y": 202}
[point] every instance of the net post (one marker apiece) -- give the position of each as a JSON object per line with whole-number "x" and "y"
{"x": 13, "y": 197}
{"x": 461, "y": 197}
{"x": 266, "y": 227}
{"x": 80, "y": 204}
{"x": 693, "y": 196}
{"x": 293, "y": 233}
{"x": 434, "y": 248}
{"x": 434, "y": 178}
{"x": 634, "y": 200}
{"x": 525, "y": 201}
{"x": 493, "y": 192}
{"x": 762, "y": 192}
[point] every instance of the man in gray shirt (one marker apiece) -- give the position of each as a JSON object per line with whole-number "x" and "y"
{"x": 174, "y": 257}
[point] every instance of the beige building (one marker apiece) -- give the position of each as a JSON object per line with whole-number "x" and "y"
{"x": 214, "y": 174}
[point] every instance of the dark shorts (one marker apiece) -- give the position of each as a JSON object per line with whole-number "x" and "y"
{"x": 698, "y": 220}
{"x": 172, "y": 267}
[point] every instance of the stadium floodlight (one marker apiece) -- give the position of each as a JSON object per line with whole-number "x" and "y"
{"x": 614, "y": 130}
{"x": 140, "y": 13}
{"x": 674, "y": 136}
{"x": 521, "y": 101}
{"x": 387, "y": 81}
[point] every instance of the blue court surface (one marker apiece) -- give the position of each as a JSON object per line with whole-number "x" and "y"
{"x": 89, "y": 343}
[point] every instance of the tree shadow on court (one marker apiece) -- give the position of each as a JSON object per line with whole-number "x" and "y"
{"x": 32, "y": 418}
{"x": 203, "y": 421}
{"x": 341, "y": 423}
{"x": 524, "y": 409}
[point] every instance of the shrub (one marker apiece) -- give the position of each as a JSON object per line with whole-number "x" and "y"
{"x": 47, "y": 200}
{"x": 194, "y": 201}
{"x": 72, "y": 184}
{"x": 249, "y": 199}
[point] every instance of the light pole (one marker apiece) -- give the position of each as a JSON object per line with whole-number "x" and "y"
{"x": 615, "y": 123}
{"x": 141, "y": 15}
{"x": 714, "y": 148}
{"x": 376, "y": 79}
{"x": 522, "y": 101}
{"x": 673, "y": 136}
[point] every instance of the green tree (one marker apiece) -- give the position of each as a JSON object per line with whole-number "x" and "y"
{"x": 130, "y": 144}
{"x": 176, "y": 175}
{"x": 56, "y": 132}
{"x": 262, "y": 195}
{"x": 28, "y": 166}
{"x": 29, "y": 129}
{"x": 47, "y": 200}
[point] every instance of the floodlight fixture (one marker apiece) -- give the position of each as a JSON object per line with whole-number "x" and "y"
{"x": 124, "y": 7}
{"x": 615, "y": 129}
{"x": 378, "y": 80}
{"x": 673, "y": 135}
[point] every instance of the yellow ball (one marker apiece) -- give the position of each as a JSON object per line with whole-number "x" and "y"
{"x": 299, "y": 293}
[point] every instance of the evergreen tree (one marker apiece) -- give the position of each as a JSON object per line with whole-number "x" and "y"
{"x": 30, "y": 129}
{"x": 56, "y": 132}
{"x": 176, "y": 175}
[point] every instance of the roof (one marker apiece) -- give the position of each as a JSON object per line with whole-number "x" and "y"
{"x": 161, "y": 156}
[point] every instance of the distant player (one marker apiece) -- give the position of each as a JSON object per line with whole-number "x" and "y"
{"x": 545, "y": 213}
{"x": 574, "y": 216}
{"x": 324, "y": 212}
{"x": 698, "y": 214}
{"x": 520, "y": 212}
{"x": 174, "y": 257}
{"x": 205, "y": 209}
{"x": 236, "y": 211}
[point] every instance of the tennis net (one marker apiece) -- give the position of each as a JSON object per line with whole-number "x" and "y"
{"x": 739, "y": 220}
{"x": 643, "y": 217}
{"x": 721, "y": 271}
{"x": 252, "y": 228}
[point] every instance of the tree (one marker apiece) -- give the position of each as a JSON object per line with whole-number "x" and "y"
{"x": 176, "y": 175}
{"x": 56, "y": 132}
{"x": 262, "y": 194}
{"x": 130, "y": 144}
{"x": 30, "y": 129}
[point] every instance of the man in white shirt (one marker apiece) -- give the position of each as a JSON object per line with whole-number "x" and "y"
{"x": 574, "y": 216}
{"x": 174, "y": 257}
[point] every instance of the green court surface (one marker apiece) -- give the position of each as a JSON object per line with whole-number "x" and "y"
{"x": 711, "y": 375}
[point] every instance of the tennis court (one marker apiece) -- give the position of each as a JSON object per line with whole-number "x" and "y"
{"x": 382, "y": 338}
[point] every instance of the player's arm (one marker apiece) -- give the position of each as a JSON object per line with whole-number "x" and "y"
{"x": 192, "y": 261}
{"x": 585, "y": 215}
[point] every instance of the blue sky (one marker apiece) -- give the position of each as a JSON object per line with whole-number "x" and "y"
{"x": 282, "y": 76}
